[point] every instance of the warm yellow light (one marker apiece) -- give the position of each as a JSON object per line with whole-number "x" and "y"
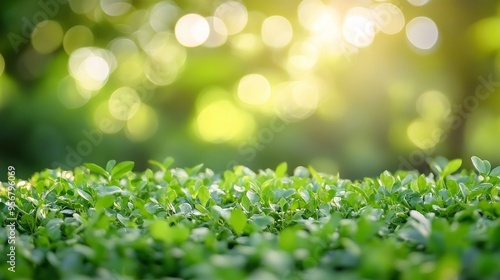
{"x": 216, "y": 39}
{"x": 254, "y": 89}
{"x": 91, "y": 67}
{"x": 297, "y": 100}
{"x": 358, "y": 27}
{"x": 424, "y": 134}
{"x": 388, "y": 18}
{"x": 143, "y": 124}
{"x": 277, "y": 32}
{"x": 221, "y": 121}
{"x": 422, "y": 33}
{"x": 234, "y": 15}
{"x": 47, "y": 36}
{"x": 166, "y": 57}
{"x": 433, "y": 105}
{"x": 418, "y": 2}
{"x": 192, "y": 30}
{"x": 302, "y": 56}
{"x": 314, "y": 15}
{"x": 82, "y": 7}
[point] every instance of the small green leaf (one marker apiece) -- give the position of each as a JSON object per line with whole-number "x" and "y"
{"x": 281, "y": 170}
{"x": 194, "y": 170}
{"x": 96, "y": 169}
{"x": 238, "y": 220}
{"x": 110, "y": 165}
{"x": 495, "y": 172}
{"x": 105, "y": 190}
{"x": 54, "y": 229}
{"x": 85, "y": 195}
{"x": 203, "y": 195}
{"x": 104, "y": 202}
{"x": 315, "y": 175}
{"x": 483, "y": 166}
{"x": 451, "y": 167}
{"x": 185, "y": 208}
{"x": 160, "y": 230}
{"x": 121, "y": 169}
{"x": 157, "y": 164}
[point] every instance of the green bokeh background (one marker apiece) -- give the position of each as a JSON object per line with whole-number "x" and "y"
{"x": 355, "y": 110}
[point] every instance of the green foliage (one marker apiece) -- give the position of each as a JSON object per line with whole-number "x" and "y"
{"x": 112, "y": 223}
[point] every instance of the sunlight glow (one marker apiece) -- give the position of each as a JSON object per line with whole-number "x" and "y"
{"x": 70, "y": 95}
{"x": 433, "y": 105}
{"x": 254, "y": 89}
{"x": 2, "y": 64}
{"x": 216, "y": 39}
{"x": 297, "y": 100}
{"x": 422, "y": 33}
{"x": 166, "y": 57}
{"x": 424, "y": 134}
{"x": 192, "y": 30}
{"x": 388, "y": 18}
{"x": 277, "y": 32}
{"x": 418, "y": 2}
{"x": 234, "y": 15}
{"x": 222, "y": 121}
{"x": 359, "y": 28}
{"x": 91, "y": 67}
{"x": 316, "y": 16}
{"x": 143, "y": 124}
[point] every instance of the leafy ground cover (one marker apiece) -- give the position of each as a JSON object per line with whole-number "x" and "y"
{"x": 173, "y": 223}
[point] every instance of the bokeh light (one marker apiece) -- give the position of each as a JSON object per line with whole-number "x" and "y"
{"x": 104, "y": 121}
{"x": 422, "y": 33}
{"x": 71, "y": 95}
{"x": 192, "y": 30}
{"x": 47, "y": 36}
{"x": 418, "y": 2}
{"x": 91, "y": 67}
{"x": 302, "y": 56}
{"x": 314, "y": 15}
{"x": 359, "y": 28}
{"x": 83, "y": 7}
{"x": 165, "y": 59}
{"x": 216, "y": 38}
{"x": 115, "y": 7}
{"x": 124, "y": 103}
{"x": 143, "y": 124}
{"x": 433, "y": 105}
{"x": 297, "y": 100}
{"x": 163, "y": 15}
{"x": 221, "y": 121}
{"x": 424, "y": 134}
{"x": 277, "y": 32}
{"x": 388, "y": 18}
{"x": 76, "y": 37}
{"x": 254, "y": 89}
{"x": 234, "y": 15}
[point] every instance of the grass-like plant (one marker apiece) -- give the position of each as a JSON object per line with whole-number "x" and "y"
{"x": 192, "y": 223}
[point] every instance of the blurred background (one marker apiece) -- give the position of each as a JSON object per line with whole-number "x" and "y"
{"x": 355, "y": 87}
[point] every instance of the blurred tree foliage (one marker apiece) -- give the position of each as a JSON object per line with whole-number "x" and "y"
{"x": 349, "y": 86}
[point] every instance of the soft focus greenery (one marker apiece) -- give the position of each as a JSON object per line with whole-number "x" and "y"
{"x": 171, "y": 223}
{"x": 349, "y": 86}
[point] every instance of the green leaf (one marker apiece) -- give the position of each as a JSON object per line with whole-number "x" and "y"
{"x": 185, "y": 208}
{"x": 104, "y": 202}
{"x": 85, "y": 195}
{"x": 281, "y": 170}
{"x": 54, "y": 229}
{"x": 483, "y": 166}
{"x": 387, "y": 180}
{"x": 194, "y": 170}
{"x": 157, "y": 164}
{"x": 110, "y": 165}
{"x": 160, "y": 230}
{"x": 203, "y": 195}
{"x": 96, "y": 169}
{"x": 105, "y": 190}
{"x": 238, "y": 220}
{"x": 495, "y": 172}
{"x": 121, "y": 169}
{"x": 315, "y": 175}
{"x": 451, "y": 167}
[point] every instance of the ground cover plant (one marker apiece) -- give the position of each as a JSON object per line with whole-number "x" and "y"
{"x": 172, "y": 223}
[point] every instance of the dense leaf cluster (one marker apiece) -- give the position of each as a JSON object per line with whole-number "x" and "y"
{"x": 173, "y": 223}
